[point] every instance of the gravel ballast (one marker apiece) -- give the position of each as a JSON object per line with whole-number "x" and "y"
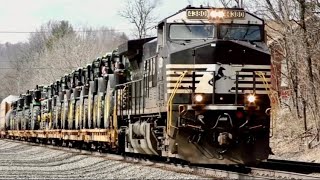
{"x": 24, "y": 161}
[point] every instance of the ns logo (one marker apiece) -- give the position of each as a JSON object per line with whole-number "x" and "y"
{"x": 218, "y": 76}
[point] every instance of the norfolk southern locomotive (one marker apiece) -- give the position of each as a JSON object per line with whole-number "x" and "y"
{"x": 197, "y": 92}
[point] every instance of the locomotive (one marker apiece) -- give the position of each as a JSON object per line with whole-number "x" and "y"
{"x": 198, "y": 92}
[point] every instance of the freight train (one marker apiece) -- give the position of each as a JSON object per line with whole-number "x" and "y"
{"x": 198, "y": 91}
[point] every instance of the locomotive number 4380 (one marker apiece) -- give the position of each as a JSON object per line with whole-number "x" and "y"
{"x": 215, "y": 13}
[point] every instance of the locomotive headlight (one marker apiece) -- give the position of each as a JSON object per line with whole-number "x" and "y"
{"x": 216, "y": 14}
{"x": 251, "y": 98}
{"x": 198, "y": 98}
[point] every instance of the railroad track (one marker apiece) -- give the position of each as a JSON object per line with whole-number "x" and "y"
{"x": 292, "y": 166}
{"x": 22, "y": 160}
{"x": 271, "y": 169}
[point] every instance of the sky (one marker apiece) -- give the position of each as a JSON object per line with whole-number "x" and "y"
{"x": 28, "y": 15}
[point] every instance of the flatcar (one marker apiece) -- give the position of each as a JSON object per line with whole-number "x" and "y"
{"x": 198, "y": 91}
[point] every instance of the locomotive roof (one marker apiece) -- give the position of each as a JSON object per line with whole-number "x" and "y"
{"x": 208, "y": 7}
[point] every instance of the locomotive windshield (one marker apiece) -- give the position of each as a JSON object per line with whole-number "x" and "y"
{"x": 191, "y": 31}
{"x": 240, "y": 32}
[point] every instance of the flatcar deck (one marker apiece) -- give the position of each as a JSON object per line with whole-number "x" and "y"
{"x": 86, "y": 135}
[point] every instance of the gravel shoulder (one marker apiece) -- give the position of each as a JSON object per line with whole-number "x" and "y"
{"x": 23, "y": 161}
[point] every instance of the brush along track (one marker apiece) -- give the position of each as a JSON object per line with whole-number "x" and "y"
{"x": 29, "y": 160}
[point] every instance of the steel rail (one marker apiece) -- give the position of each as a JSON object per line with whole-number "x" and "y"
{"x": 292, "y": 166}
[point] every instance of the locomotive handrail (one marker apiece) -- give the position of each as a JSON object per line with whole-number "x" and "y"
{"x": 123, "y": 87}
{"x": 271, "y": 95}
{"x": 169, "y": 104}
{"x": 131, "y": 82}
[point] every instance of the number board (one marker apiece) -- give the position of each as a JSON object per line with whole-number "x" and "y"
{"x": 234, "y": 14}
{"x": 205, "y": 13}
{"x": 197, "y": 13}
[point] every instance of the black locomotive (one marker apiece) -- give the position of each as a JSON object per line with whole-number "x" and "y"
{"x": 198, "y": 92}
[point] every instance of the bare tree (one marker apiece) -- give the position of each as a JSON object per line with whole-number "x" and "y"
{"x": 141, "y": 14}
{"x": 223, "y": 3}
{"x": 295, "y": 35}
{"x": 39, "y": 62}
